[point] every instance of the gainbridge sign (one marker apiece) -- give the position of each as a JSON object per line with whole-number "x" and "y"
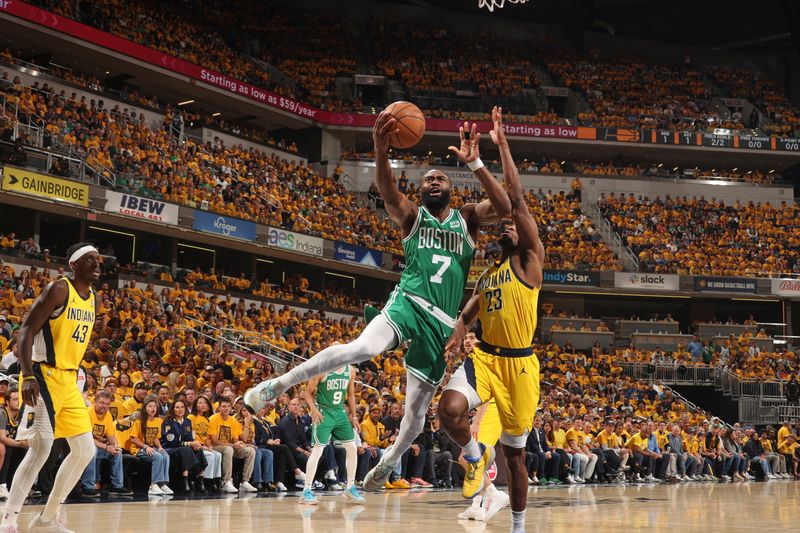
{"x": 44, "y": 186}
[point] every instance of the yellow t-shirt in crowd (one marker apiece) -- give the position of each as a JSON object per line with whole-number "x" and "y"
{"x": 226, "y": 431}
{"x": 149, "y": 436}
{"x": 200, "y": 426}
{"x": 636, "y": 442}
{"x": 102, "y": 426}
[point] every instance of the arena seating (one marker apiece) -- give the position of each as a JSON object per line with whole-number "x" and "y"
{"x": 646, "y": 95}
{"x": 706, "y": 237}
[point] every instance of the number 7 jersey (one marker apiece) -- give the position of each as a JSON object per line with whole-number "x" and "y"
{"x": 438, "y": 257}
{"x": 63, "y": 339}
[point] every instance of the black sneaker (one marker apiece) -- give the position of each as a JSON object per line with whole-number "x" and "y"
{"x": 90, "y": 493}
{"x": 119, "y": 491}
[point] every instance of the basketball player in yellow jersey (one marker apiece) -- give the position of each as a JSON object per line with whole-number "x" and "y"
{"x": 502, "y": 366}
{"x": 52, "y": 341}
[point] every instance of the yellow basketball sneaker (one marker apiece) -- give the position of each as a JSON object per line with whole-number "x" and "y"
{"x": 475, "y": 468}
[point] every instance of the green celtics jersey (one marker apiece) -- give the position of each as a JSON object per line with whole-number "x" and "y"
{"x": 438, "y": 256}
{"x": 332, "y": 390}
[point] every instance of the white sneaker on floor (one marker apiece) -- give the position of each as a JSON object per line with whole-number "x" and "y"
{"x": 56, "y": 525}
{"x": 166, "y": 490}
{"x": 245, "y": 486}
{"x": 496, "y": 502}
{"x": 280, "y": 487}
{"x": 155, "y": 490}
{"x": 3, "y": 491}
{"x": 472, "y": 514}
{"x": 228, "y": 488}
{"x": 580, "y": 480}
{"x": 570, "y": 479}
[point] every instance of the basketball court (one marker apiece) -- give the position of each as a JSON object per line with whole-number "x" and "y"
{"x": 730, "y": 507}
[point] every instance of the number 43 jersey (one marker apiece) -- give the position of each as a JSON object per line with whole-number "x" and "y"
{"x": 438, "y": 257}
{"x": 63, "y": 339}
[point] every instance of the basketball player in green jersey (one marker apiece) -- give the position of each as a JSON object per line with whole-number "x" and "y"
{"x": 439, "y": 243}
{"x": 326, "y": 396}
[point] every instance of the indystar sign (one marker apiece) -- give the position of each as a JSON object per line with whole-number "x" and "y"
{"x": 572, "y": 277}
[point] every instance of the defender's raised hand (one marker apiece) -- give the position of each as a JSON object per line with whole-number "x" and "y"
{"x": 497, "y": 134}
{"x": 468, "y": 151}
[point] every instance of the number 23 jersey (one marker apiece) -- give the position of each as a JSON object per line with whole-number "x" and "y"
{"x": 507, "y": 312}
{"x": 63, "y": 339}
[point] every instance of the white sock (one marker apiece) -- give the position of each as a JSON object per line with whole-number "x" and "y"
{"x": 351, "y": 462}
{"x": 81, "y": 451}
{"x": 472, "y": 450}
{"x": 477, "y": 502}
{"x": 377, "y": 337}
{"x": 311, "y": 465}
{"x": 419, "y": 395}
{"x": 518, "y": 521}
{"x": 490, "y": 489}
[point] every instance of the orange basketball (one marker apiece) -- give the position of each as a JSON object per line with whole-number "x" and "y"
{"x": 410, "y": 122}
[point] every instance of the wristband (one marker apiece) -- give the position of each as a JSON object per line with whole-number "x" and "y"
{"x": 475, "y": 165}
{"x": 28, "y": 378}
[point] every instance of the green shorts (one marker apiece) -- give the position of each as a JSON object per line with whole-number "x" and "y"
{"x": 426, "y": 333}
{"x": 334, "y": 424}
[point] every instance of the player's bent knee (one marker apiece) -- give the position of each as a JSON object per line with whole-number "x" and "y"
{"x": 453, "y": 405}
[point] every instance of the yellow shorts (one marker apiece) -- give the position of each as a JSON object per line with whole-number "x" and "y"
{"x": 60, "y": 410}
{"x": 490, "y": 429}
{"x": 512, "y": 382}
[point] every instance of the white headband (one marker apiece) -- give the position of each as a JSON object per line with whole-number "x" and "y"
{"x": 80, "y": 252}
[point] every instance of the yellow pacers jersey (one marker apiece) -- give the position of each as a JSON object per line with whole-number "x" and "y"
{"x": 507, "y": 307}
{"x": 63, "y": 339}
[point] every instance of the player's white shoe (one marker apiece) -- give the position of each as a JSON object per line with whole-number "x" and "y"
{"x": 259, "y": 395}
{"x": 493, "y": 503}
{"x": 56, "y": 525}
{"x": 473, "y": 513}
{"x": 378, "y": 476}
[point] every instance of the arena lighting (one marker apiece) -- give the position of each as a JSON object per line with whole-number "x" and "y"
{"x": 625, "y": 294}
{"x": 675, "y": 169}
{"x": 735, "y": 169}
{"x": 216, "y": 114}
{"x": 772, "y": 171}
{"x": 270, "y": 261}
{"x": 660, "y": 165}
{"x": 186, "y": 102}
{"x": 757, "y": 300}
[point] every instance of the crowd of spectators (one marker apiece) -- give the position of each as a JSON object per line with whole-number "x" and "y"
{"x": 706, "y": 237}
{"x": 779, "y": 114}
{"x": 159, "y": 359}
{"x": 621, "y": 92}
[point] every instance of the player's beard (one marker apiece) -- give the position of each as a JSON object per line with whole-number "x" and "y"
{"x": 434, "y": 203}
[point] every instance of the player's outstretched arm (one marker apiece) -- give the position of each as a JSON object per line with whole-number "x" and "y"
{"x": 351, "y": 400}
{"x": 527, "y": 228}
{"x": 309, "y": 395}
{"x": 401, "y": 210}
{"x": 52, "y": 297}
{"x": 468, "y": 152}
{"x": 465, "y": 320}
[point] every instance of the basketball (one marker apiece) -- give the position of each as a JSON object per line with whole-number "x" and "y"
{"x": 410, "y": 122}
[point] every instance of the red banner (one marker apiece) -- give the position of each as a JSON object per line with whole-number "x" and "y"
{"x": 215, "y": 79}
